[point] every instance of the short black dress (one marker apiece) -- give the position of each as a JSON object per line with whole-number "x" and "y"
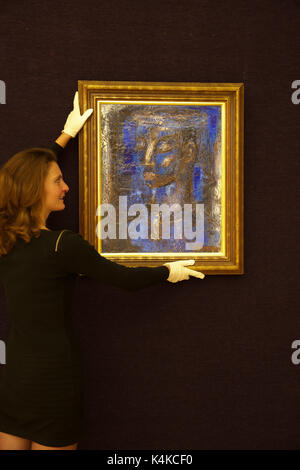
{"x": 41, "y": 385}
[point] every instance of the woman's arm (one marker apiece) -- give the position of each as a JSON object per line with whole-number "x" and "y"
{"x": 63, "y": 139}
{"x": 77, "y": 255}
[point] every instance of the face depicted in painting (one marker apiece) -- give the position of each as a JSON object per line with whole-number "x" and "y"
{"x": 162, "y": 151}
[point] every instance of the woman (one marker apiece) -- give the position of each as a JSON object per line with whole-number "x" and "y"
{"x": 41, "y": 387}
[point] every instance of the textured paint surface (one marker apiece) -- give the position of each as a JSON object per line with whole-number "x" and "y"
{"x": 162, "y": 154}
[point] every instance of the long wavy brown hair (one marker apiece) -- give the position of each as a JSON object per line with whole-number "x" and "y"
{"x": 22, "y": 180}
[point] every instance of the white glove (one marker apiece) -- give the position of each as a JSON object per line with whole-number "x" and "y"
{"x": 75, "y": 120}
{"x": 178, "y": 272}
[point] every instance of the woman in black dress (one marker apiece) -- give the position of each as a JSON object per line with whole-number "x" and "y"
{"x": 41, "y": 386}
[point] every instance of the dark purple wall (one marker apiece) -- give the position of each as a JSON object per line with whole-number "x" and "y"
{"x": 198, "y": 364}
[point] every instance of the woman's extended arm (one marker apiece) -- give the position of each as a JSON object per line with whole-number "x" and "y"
{"x": 77, "y": 255}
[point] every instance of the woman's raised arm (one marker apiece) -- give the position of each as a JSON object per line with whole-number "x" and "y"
{"x": 74, "y": 123}
{"x": 63, "y": 139}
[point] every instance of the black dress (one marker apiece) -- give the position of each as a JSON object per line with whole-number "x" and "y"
{"x": 41, "y": 386}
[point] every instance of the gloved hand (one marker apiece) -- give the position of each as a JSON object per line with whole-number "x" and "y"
{"x": 178, "y": 271}
{"x": 75, "y": 120}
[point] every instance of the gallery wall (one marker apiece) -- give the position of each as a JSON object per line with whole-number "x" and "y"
{"x": 197, "y": 364}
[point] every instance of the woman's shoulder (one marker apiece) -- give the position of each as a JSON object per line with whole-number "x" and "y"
{"x": 52, "y": 239}
{"x": 67, "y": 233}
{"x": 67, "y": 237}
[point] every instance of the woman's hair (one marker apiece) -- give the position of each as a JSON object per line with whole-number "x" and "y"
{"x": 21, "y": 195}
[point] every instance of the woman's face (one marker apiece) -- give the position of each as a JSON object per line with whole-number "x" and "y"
{"x": 54, "y": 190}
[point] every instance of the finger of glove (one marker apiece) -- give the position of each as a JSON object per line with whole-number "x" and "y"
{"x": 76, "y": 102}
{"x": 198, "y": 274}
{"x": 87, "y": 114}
{"x": 185, "y": 262}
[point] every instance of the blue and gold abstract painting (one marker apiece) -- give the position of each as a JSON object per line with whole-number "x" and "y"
{"x": 160, "y": 177}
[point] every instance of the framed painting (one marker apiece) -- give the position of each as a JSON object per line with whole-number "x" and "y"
{"x": 161, "y": 173}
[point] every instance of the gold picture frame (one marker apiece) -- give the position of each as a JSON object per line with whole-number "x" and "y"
{"x": 211, "y": 106}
